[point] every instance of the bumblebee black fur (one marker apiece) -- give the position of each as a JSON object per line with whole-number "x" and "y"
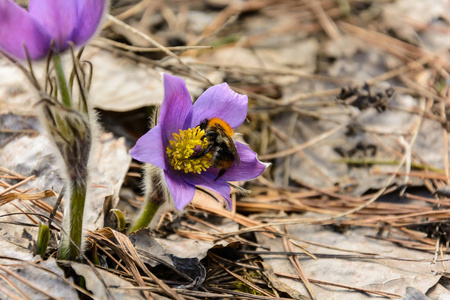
{"x": 223, "y": 149}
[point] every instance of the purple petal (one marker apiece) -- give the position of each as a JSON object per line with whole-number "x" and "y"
{"x": 206, "y": 180}
{"x": 250, "y": 166}
{"x": 150, "y": 149}
{"x": 58, "y": 17}
{"x": 222, "y": 102}
{"x": 18, "y": 28}
{"x": 90, "y": 13}
{"x": 182, "y": 192}
{"x": 176, "y": 106}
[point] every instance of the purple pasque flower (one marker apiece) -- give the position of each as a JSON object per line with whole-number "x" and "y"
{"x": 171, "y": 143}
{"x": 47, "y": 21}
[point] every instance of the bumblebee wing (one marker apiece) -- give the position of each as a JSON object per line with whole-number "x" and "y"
{"x": 231, "y": 145}
{"x": 235, "y": 153}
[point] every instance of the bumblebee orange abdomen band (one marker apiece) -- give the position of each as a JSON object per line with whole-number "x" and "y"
{"x": 225, "y": 126}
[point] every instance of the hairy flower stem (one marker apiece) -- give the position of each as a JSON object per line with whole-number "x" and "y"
{"x": 62, "y": 82}
{"x": 146, "y": 216}
{"x": 72, "y": 136}
{"x": 155, "y": 196}
{"x": 69, "y": 250}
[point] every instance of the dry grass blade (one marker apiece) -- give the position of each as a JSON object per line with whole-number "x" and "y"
{"x": 295, "y": 243}
{"x": 242, "y": 295}
{"x": 190, "y": 293}
{"x": 35, "y": 200}
{"x": 5, "y": 198}
{"x": 27, "y": 283}
{"x": 411, "y": 66}
{"x": 36, "y": 265}
{"x": 11, "y": 295}
{"x": 240, "y": 278}
{"x": 320, "y": 282}
{"x": 326, "y": 22}
{"x": 104, "y": 237}
{"x": 293, "y": 59}
{"x": 303, "y": 146}
{"x": 12, "y": 173}
{"x": 16, "y": 185}
{"x": 126, "y": 251}
{"x": 14, "y": 287}
{"x": 230, "y": 11}
{"x": 395, "y": 46}
{"x": 245, "y": 221}
{"x": 219, "y": 232}
{"x": 156, "y": 44}
{"x": 258, "y": 71}
{"x": 391, "y": 178}
{"x": 380, "y": 293}
{"x": 296, "y": 265}
{"x": 144, "y": 49}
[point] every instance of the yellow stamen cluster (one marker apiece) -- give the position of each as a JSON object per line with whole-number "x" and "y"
{"x": 182, "y": 148}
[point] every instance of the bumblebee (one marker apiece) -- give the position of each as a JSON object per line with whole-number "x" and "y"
{"x": 218, "y": 134}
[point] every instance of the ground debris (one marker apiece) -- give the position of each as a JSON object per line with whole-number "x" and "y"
{"x": 348, "y": 101}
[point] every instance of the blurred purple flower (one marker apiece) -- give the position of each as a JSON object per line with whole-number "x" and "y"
{"x": 60, "y": 21}
{"x": 179, "y": 118}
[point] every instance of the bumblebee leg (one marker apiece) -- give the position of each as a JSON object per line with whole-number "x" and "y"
{"x": 221, "y": 172}
{"x": 203, "y": 153}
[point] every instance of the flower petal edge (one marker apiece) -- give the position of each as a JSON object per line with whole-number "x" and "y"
{"x": 58, "y": 17}
{"x": 30, "y": 33}
{"x": 149, "y": 148}
{"x": 207, "y": 180}
{"x": 250, "y": 167}
{"x": 222, "y": 102}
{"x": 181, "y": 191}
{"x": 90, "y": 15}
{"x": 177, "y": 105}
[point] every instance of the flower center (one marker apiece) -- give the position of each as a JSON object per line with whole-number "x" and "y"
{"x": 185, "y": 144}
